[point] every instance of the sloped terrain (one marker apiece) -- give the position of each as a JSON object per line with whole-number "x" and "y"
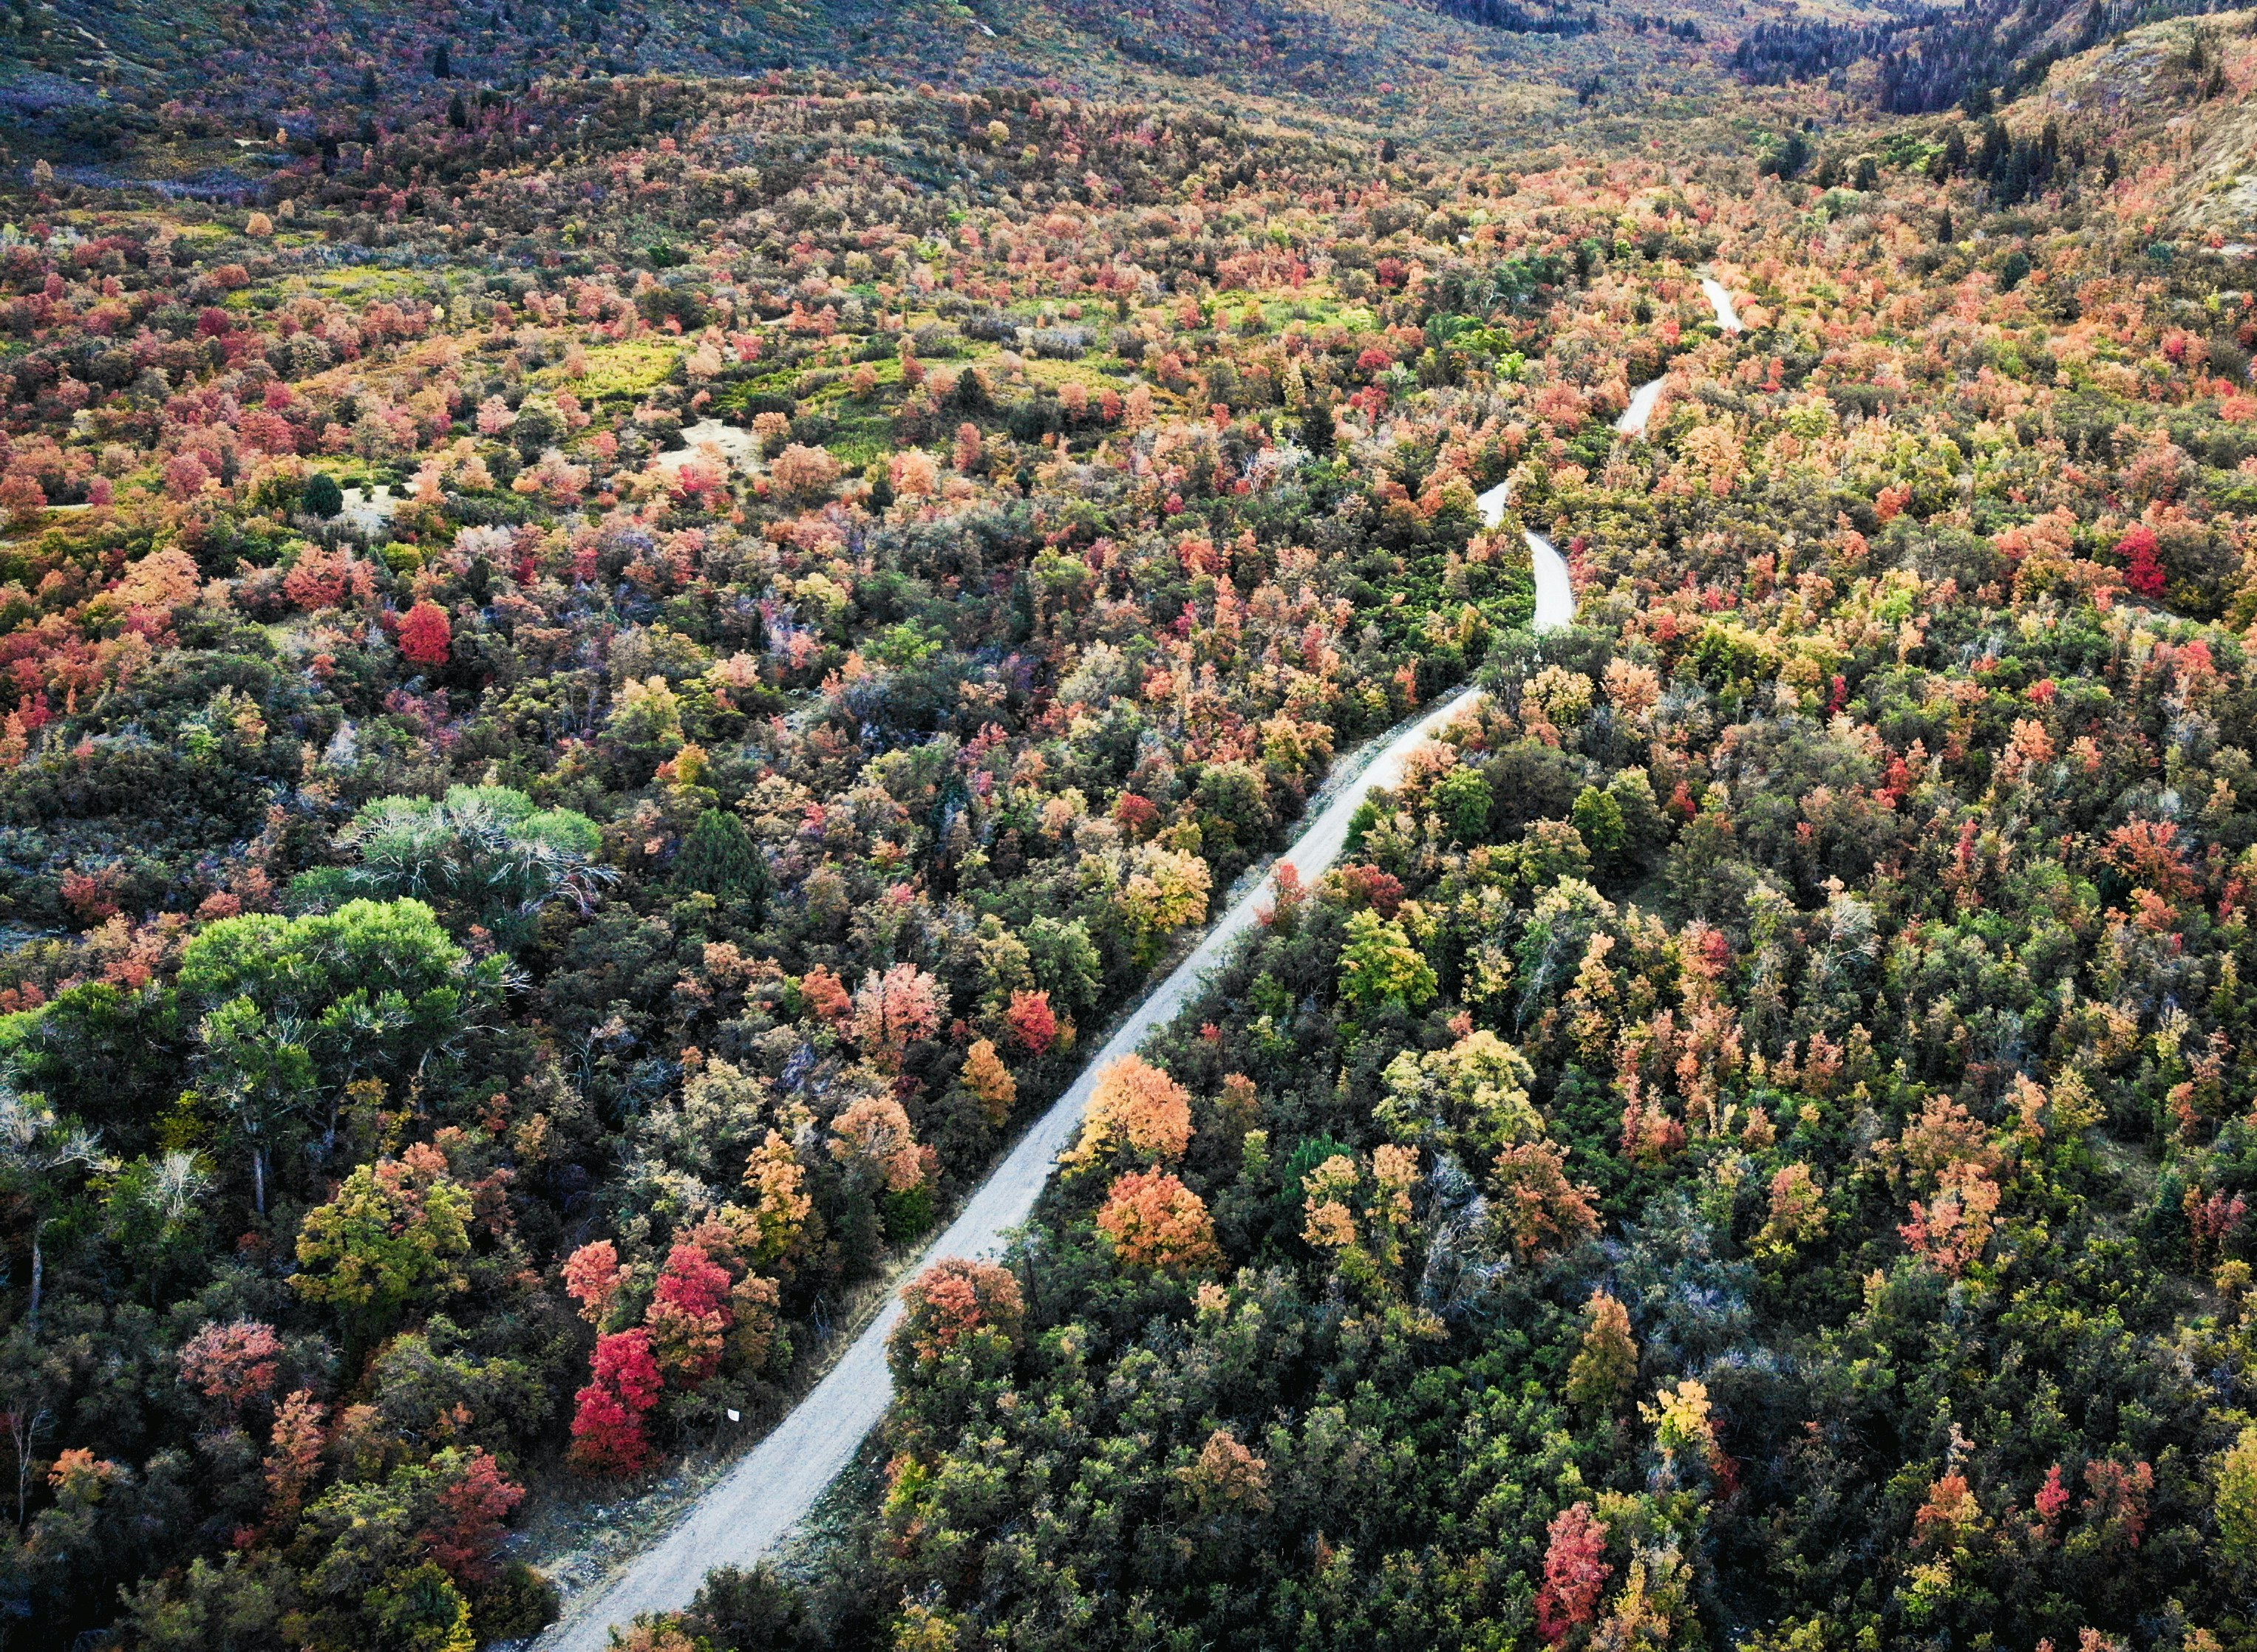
{"x": 607, "y": 678}
{"x": 93, "y": 75}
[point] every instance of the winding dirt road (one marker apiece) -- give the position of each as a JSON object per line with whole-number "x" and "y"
{"x": 772, "y": 1488}
{"x": 1555, "y": 592}
{"x": 1728, "y": 316}
{"x": 773, "y": 1485}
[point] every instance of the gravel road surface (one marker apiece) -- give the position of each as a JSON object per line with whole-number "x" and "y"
{"x": 1727, "y": 317}
{"x": 771, "y": 1489}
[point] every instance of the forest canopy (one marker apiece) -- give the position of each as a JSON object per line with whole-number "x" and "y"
{"x": 611, "y": 676}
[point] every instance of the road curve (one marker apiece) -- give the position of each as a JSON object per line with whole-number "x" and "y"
{"x": 775, "y": 1485}
{"x": 1555, "y": 592}
{"x": 1727, "y": 317}
{"x": 1634, "y": 417}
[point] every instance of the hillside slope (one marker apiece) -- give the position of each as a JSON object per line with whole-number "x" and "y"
{"x": 603, "y": 683}
{"x": 102, "y": 74}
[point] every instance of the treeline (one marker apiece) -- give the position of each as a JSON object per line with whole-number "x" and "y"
{"x": 1935, "y": 60}
{"x": 2016, "y": 168}
{"x": 1518, "y": 20}
{"x": 1774, "y": 53}
{"x": 1680, "y": 29}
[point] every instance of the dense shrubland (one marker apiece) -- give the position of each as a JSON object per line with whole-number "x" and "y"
{"x": 863, "y": 570}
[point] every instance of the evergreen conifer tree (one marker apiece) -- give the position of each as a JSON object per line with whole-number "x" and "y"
{"x": 719, "y": 858}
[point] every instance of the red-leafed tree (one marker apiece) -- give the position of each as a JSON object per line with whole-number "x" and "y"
{"x": 623, "y": 1363}
{"x": 827, "y": 995}
{"x": 1575, "y": 1569}
{"x": 295, "y": 1461}
{"x": 22, "y": 498}
{"x": 1032, "y": 1022}
{"x": 608, "y": 1436}
{"x": 1153, "y": 1220}
{"x": 1544, "y": 1212}
{"x": 2143, "y": 570}
{"x": 425, "y": 636}
{"x": 2116, "y": 1501}
{"x": 952, "y": 1303}
{"x": 184, "y": 476}
{"x": 689, "y": 1316}
{"x": 474, "y": 1504}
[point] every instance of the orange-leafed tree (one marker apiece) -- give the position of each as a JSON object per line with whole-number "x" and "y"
{"x": 1152, "y": 1220}
{"x": 1543, "y": 1212}
{"x": 954, "y": 1305}
{"x": 989, "y": 1080}
{"x": 1137, "y": 1112}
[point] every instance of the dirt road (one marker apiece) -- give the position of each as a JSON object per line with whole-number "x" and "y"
{"x": 772, "y": 1488}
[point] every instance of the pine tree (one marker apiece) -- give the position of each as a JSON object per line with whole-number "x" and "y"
{"x": 323, "y": 497}
{"x": 719, "y": 858}
{"x": 1954, "y": 160}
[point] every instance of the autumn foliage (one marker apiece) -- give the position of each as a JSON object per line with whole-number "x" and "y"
{"x": 1155, "y": 1221}
{"x": 426, "y": 638}
{"x": 608, "y": 1433}
{"x": 955, "y": 1304}
{"x": 1136, "y": 1109}
{"x": 597, "y": 675}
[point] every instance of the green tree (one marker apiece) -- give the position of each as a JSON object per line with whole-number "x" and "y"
{"x": 1461, "y": 799}
{"x": 296, "y": 1009}
{"x": 2235, "y": 1478}
{"x": 720, "y": 857}
{"x": 388, "y": 1240}
{"x": 1065, "y": 960}
{"x": 482, "y": 855}
{"x": 366, "y": 1573}
{"x": 153, "y": 1210}
{"x": 1380, "y": 966}
{"x": 42, "y": 1160}
{"x": 258, "y": 1070}
{"x": 1598, "y": 816}
{"x": 231, "y": 1605}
